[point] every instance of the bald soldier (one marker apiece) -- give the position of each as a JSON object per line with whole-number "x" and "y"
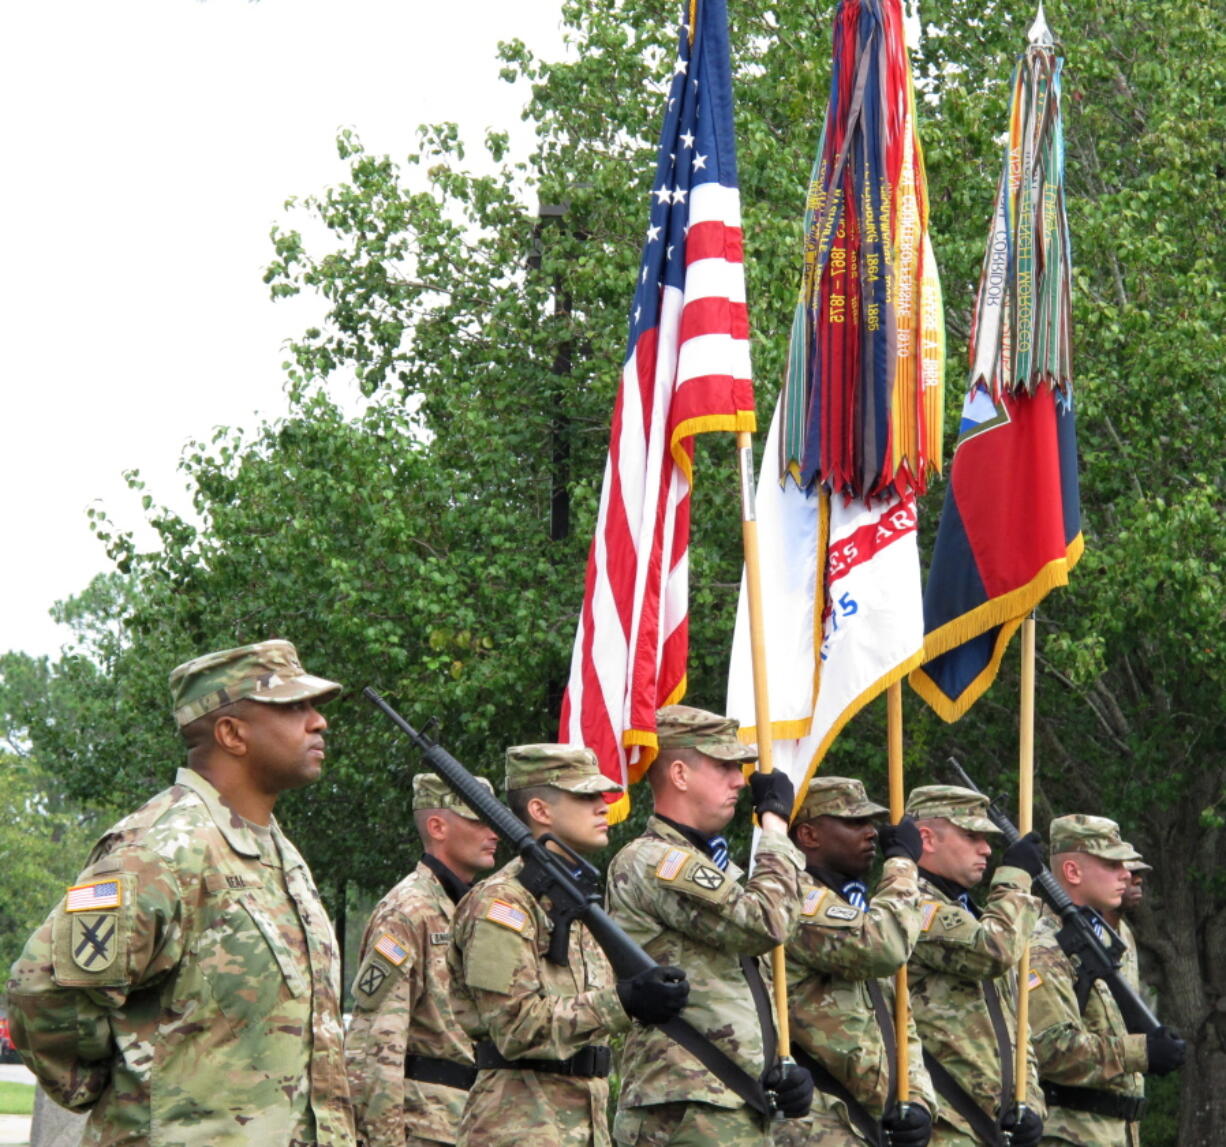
{"x": 410, "y": 1063}
{"x": 841, "y": 1005}
{"x": 676, "y": 892}
{"x": 1090, "y": 1065}
{"x": 543, "y": 1028}
{"x": 185, "y": 990}
{"x": 962, "y": 969}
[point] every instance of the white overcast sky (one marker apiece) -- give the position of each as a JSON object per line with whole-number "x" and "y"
{"x": 149, "y": 146}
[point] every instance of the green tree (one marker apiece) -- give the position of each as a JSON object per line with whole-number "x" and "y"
{"x": 434, "y": 544}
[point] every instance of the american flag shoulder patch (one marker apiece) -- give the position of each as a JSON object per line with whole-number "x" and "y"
{"x": 672, "y": 863}
{"x": 94, "y": 896}
{"x": 390, "y": 950}
{"x": 813, "y": 899}
{"x": 500, "y": 912}
{"x": 928, "y": 913}
{"x": 1034, "y": 980}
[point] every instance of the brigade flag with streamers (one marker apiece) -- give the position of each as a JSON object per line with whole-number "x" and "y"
{"x": 1010, "y": 529}
{"x": 857, "y": 432}
{"x": 686, "y": 372}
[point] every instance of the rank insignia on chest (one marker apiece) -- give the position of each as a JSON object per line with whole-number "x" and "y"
{"x": 92, "y": 897}
{"x": 842, "y": 912}
{"x": 390, "y": 950}
{"x": 704, "y": 876}
{"x": 812, "y": 899}
{"x": 93, "y": 940}
{"x": 674, "y": 860}
{"x": 500, "y": 912}
{"x": 928, "y": 913}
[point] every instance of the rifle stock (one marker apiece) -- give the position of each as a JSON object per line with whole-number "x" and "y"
{"x": 1093, "y": 958}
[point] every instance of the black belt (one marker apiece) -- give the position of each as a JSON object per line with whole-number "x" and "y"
{"x": 1109, "y": 1103}
{"x": 428, "y": 1069}
{"x": 590, "y": 1062}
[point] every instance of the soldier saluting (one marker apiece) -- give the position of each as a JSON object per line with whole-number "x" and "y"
{"x": 185, "y": 991}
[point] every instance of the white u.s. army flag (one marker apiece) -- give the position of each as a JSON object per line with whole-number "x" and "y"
{"x": 842, "y": 614}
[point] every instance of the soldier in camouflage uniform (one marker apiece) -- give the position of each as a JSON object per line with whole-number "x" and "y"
{"x": 185, "y": 991}
{"x": 1090, "y": 1065}
{"x": 675, "y": 892}
{"x": 542, "y": 1027}
{"x": 410, "y": 1064}
{"x": 841, "y": 1004}
{"x": 962, "y": 969}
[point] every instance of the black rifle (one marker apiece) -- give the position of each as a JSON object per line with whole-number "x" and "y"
{"x": 1093, "y": 958}
{"x": 573, "y": 898}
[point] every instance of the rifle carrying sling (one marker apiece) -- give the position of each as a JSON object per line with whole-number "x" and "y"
{"x": 1109, "y": 1103}
{"x": 592, "y": 1062}
{"x": 826, "y": 1082}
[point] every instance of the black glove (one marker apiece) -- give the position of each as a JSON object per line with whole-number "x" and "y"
{"x": 1026, "y": 853}
{"x": 772, "y": 792}
{"x": 1165, "y": 1051}
{"x": 655, "y": 994}
{"x": 908, "y": 1125}
{"x": 900, "y": 840}
{"x": 792, "y": 1086}
{"x": 1027, "y": 1130}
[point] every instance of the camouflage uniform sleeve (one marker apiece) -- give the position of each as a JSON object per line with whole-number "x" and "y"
{"x": 953, "y": 941}
{"x": 876, "y": 945}
{"x": 704, "y": 904}
{"x": 81, "y": 965}
{"x": 386, "y": 989}
{"x": 1067, "y": 1051}
{"x": 499, "y": 945}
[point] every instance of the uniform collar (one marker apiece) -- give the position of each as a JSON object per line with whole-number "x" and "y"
{"x": 229, "y": 823}
{"x": 452, "y": 884}
{"x": 831, "y": 879}
{"x": 952, "y": 890}
{"x": 691, "y": 835}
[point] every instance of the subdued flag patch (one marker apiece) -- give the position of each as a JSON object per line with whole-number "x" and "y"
{"x": 92, "y": 897}
{"x": 672, "y": 863}
{"x": 389, "y": 949}
{"x": 500, "y": 912}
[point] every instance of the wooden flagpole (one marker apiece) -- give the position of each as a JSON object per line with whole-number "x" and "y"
{"x": 1025, "y": 822}
{"x": 902, "y": 1000}
{"x": 761, "y": 698}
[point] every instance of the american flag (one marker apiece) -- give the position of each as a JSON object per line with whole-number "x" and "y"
{"x": 686, "y": 372}
{"x": 93, "y": 897}
{"x": 388, "y": 948}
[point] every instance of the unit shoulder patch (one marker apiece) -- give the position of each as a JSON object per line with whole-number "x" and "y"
{"x": 699, "y": 877}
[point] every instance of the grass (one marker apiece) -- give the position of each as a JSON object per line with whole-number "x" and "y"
{"x": 16, "y": 1098}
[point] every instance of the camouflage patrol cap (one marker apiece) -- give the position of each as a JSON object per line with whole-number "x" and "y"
{"x": 430, "y": 791}
{"x": 267, "y": 671}
{"x": 838, "y": 796}
{"x": 569, "y": 767}
{"x": 1095, "y": 835}
{"x": 1137, "y": 865}
{"x": 963, "y": 807}
{"x": 684, "y": 727}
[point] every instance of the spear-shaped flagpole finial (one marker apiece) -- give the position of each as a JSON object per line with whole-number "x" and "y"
{"x": 1040, "y": 34}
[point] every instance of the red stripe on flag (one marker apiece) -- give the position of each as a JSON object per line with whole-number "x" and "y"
{"x": 714, "y": 239}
